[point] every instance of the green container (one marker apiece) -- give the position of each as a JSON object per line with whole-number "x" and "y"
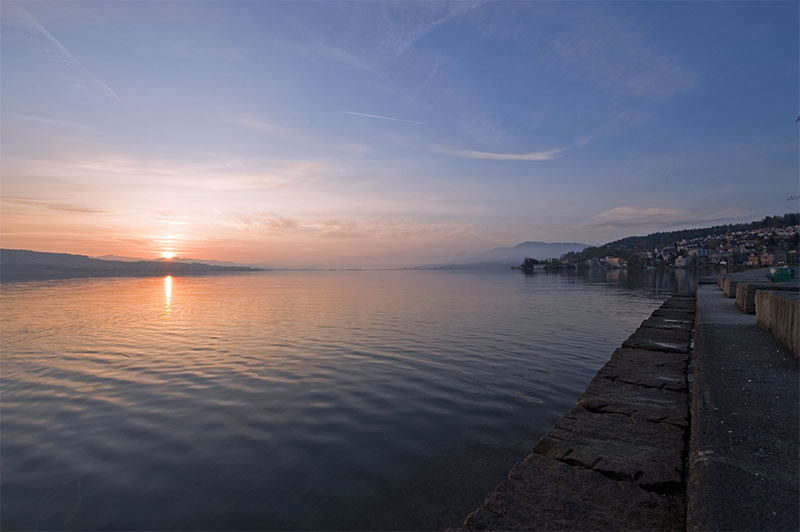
{"x": 781, "y": 273}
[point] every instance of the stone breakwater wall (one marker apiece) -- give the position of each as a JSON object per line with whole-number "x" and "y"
{"x": 617, "y": 459}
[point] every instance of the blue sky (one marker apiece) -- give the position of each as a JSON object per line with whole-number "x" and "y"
{"x": 387, "y": 133}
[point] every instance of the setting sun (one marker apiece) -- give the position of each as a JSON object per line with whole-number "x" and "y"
{"x": 167, "y": 254}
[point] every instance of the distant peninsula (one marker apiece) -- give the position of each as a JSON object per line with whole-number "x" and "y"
{"x": 25, "y": 265}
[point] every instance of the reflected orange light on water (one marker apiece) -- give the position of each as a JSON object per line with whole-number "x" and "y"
{"x": 167, "y": 295}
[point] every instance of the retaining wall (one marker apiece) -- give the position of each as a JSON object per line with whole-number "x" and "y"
{"x": 746, "y": 292}
{"x": 779, "y": 313}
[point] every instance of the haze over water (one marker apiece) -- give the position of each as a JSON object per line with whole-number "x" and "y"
{"x": 314, "y": 400}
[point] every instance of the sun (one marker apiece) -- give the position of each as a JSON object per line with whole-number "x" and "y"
{"x": 167, "y": 254}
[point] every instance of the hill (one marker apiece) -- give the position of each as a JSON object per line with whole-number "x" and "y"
{"x": 634, "y": 244}
{"x": 186, "y": 260}
{"x": 25, "y": 265}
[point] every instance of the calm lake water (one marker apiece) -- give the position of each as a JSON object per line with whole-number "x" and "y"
{"x": 291, "y": 400}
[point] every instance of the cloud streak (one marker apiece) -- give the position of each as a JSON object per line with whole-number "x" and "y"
{"x": 530, "y": 156}
{"x": 52, "y": 205}
{"x": 366, "y": 115}
{"x": 28, "y": 19}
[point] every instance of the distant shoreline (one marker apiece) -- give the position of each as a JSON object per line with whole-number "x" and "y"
{"x": 19, "y": 277}
{"x": 23, "y": 265}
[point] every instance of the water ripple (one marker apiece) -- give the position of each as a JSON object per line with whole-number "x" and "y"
{"x": 322, "y": 400}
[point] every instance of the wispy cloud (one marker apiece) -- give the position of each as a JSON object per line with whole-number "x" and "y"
{"x": 530, "y": 156}
{"x": 376, "y": 33}
{"x": 50, "y": 204}
{"x": 612, "y": 50}
{"x": 24, "y": 18}
{"x": 217, "y": 175}
{"x": 409, "y": 22}
{"x": 375, "y": 228}
{"x": 366, "y": 115}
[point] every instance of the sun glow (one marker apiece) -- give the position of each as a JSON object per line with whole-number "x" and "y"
{"x": 167, "y": 254}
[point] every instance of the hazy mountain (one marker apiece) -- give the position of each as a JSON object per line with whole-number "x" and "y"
{"x": 536, "y": 250}
{"x": 120, "y": 258}
{"x": 185, "y": 260}
{"x": 23, "y": 265}
{"x": 505, "y": 257}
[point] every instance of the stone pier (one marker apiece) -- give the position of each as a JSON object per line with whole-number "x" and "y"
{"x": 616, "y": 460}
{"x": 629, "y": 456}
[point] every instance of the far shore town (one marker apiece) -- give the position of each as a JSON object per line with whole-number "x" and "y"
{"x": 766, "y": 246}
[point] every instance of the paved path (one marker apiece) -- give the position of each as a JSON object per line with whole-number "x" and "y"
{"x": 744, "y": 471}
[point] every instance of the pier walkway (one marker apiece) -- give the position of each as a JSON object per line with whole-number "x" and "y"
{"x": 668, "y": 436}
{"x": 744, "y": 472}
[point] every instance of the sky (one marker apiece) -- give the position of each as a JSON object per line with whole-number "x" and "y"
{"x": 388, "y": 134}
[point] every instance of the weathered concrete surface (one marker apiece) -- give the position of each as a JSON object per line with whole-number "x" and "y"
{"x": 744, "y": 472}
{"x": 659, "y": 340}
{"x": 545, "y": 494}
{"x": 645, "y": 368}
{"x": 746, "y": 292}
{"x": 661, "y": 322}
{"x": 645, "y": 453}
{"x": 616, "y": 460}
{"x": 673, "y": 314}
{"x": 779, "y": 313}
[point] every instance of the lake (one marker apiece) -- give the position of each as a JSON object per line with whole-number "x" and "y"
{"x": 291, "y": 400}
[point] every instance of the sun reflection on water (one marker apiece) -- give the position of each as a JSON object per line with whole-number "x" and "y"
{"x": 167, "y": 296}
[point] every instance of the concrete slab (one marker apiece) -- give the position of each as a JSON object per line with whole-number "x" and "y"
{"x": 643, "y": 404}
{"x": 646, "y": 368}
{"x": 779, "y": 313}
{"x": 561, "y": 497}
{"x": 746, "y": 292}
{"x": 729, "y": 281}
{"x": 659, "y": 340}
{"x": 673, "y": 313}
{"x": 660, "y": 322}
{"x": 647, "y": 454}
{"x": 744, "y": 471}
{"x": 676, "y": 302}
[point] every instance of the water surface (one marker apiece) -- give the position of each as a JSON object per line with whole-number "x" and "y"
{"x": 290, "y": 400}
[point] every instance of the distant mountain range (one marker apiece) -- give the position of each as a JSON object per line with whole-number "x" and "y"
{"x": 185, "y": 260}
{"x": 505, "y": 257}
{"x": 24, "y": 265}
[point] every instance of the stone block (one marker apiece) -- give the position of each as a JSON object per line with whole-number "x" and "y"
{"x": 545, "y": 494}
{"x": 617, "y": 445}
{"x": 779, "y": 313}
{"x": 729, "y": 287}
{"x": 659, "y": 340}
{"x": 676, "y": 302}
{"x": 673, "y": 313}
{"x": 746, "y": 292}
{"x": 663, "y": 322}
{"x": 646, "y": 368}
{"x": 642, "y": 404}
